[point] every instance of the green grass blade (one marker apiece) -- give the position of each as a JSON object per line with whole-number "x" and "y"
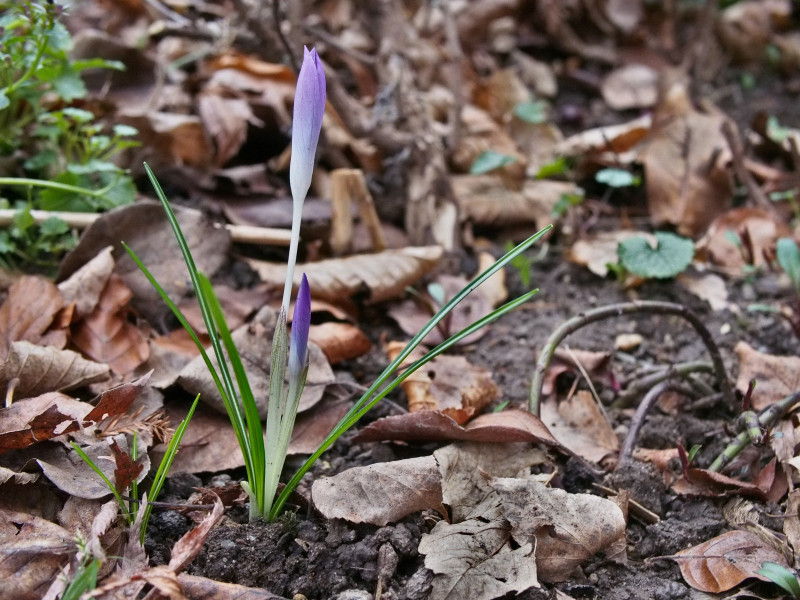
{"x": 253, "y": 420}
{"x": 105, "y": 479}
{"x": 231, "y": 407}
{"x": 163, "y": 467}
{"x": 85, "y": 579}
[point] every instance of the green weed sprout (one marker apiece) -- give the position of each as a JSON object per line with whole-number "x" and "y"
{"x": 264, "y": 458}
{"x": 781, "y": 576}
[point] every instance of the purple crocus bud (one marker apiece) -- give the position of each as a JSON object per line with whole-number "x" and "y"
{"x": 309, "y": 106}
{"x": 298, "y": 347}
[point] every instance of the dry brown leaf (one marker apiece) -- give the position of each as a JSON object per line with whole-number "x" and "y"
{"x": 28, "y": 311}
{"x": 210, "y": 589}
{"x": 431, "y": 425}
{"x": 85, "y": 285}
{"x": 579, "y": 424}
{"x": 313, "y": 426}
{"x": 254, "y": 343}
{"x": 378, "y": 277}
{"x": 473, "y": 559}
{"x": 33, "y": 551}
{"x": 776, "y": 376}
{"x": 226, "y": 120}
{"x": 487, "y": 200}
{"x": 33, "y": 420}
{"x": 725, "y": 561}
{"x": 702, "y": 482}
{"x": 617, "y": 140}
{"x": 41, "y": 370}
{"x": 482, "y": 133}
{"x": 791, "y": 522}
{"x": 567, "y": 529}
{"x": 446, "y": 383}
{"x": 381, "y": 493}
{"x": 762, "y": 227}
{"x": 631, "y": 86}
{"x": 188, "y": 547}
{"x": 709, "y": 287}
{"x": 106, "y": 335}
{"x": 685, "y": 157}
{"x": 144, "y": 227}
{"x": 18, "y": 478}
{"x": 173, "y": 139}
{"x": 339, "y": 341}
{"x": 660, "y": 459}
{"x": 565, "y": 360}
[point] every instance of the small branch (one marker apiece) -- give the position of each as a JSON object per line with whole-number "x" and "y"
{"x": 243, "y": 234}
{"x": 617, "y": 310}
{"x": 739, "y": 167}
{"x": 648, "y": 381}
{"x": 638, "y": 420}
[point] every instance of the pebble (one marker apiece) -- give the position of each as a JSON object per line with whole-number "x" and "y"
{"x": 628, "y": 341}
{"x": 353, "y": 595}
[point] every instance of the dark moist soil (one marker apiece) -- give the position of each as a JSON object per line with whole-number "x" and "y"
{"x": 326, "y": 559}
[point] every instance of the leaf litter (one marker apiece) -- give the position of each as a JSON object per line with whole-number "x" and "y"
{"x": 451, "y": 84}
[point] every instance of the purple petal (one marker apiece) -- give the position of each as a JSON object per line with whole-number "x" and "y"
{"x": 309, "y": 107}
{"x": 301, "y": 320}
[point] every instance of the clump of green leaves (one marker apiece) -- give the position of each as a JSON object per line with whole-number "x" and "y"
{"x": 58, "y": 157}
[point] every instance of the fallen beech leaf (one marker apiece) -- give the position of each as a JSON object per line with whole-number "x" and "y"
{"x": 776, "y": 376}
{"x": 687, "y": 181}
{"x": 412, "y": 316}
{"x": 431, "y": 425}
{"x": 85, "y": 285}
{"x": 567, "y": 529}
{"x": 614, "y": 139}
{"x": 581, "y": 426}
{"x": 254, "y": 342}
{"x": 339, "y": 341}
{"x": 106, "y": 335}
{"x": 33, "y": 551}
{"x": 762, "y": 227}
{"x": 702, "y": 482}
{"x": 28, "y": 311}
{"x": 378, "y": 276}
{"x": 144, "y": 227}
{"x": 447, "y": 383}
{"x": 175, "y": 139}
{"x": 473, "y": 559}
{"x": 210, "y": 589}
{"x": 381, "y": 493}
{"x": 42, "y": 370}
{"x": 725, "y": 561}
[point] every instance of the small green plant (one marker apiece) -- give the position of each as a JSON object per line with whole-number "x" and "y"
{"x": 615, "y": 177}
{"x": 788, "y": 256}
{"x": 85, "y": 576}
{"x": 490, "y": 160}
{"x": 781, "y": 576}
{"x": 534, "y": 112}
{"x": 670, "y": 256}
{"x": 57, "y": 157}
{"x": 23, "y": 242}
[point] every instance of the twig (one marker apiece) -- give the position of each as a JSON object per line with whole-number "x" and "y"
{"x": 169, "y": 505}
{"x": 276, "y": 16}
{"x": 455, "y": 59}
{"x": 648, "y": 381}
{"x": 243, "y": 234}
{"x": 617, "y": 310}
{"x": 767, "y": 419}
{"x": 737, "y": 153}
{"x": 638, "y": 420}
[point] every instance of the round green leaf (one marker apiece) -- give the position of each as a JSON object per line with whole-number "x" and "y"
{"x": 617, "y": 178}
{"x": 671, "y": 255}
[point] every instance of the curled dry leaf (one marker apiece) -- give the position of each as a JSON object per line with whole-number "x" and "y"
{"x": 174, "y": 139}
{"x": 776, "y": 376}
{"x": 378, "y": 276}
{"x": 339, "y": 341}
{"x": 84, "y": 286}
{"x": 615, "y": 140}
{"x": 430, "y": 425}
{"x": 447, "y": 383}
{"x": 226, "y": 120}
{"x": 567, "y": 529}
{"x": 761, "y": 226}
{"x": 702, "y": 482}
{"x": 581, "y": 426}
{"x": 28, "y": 311}
{"x": 42, "y": 370}
{"x": 254, "y": 342}
{"x": 106, "y": 335}
{"x": 725, "y": 561}
{"x": 33, "y": 551}
{"x": 210, "y": 589}
{"x": 381, "y": 493}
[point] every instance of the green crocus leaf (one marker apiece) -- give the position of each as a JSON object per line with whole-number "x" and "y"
{"x": 489, "y": 161}
{"x": 671, "y": 255}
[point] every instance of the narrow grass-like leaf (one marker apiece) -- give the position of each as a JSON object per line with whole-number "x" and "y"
{"x": 166, "y": 463}
{"x": 105, "y": 479}
{"x": 369, "y": 399}
{"x": 276, "y": 411}
{"x": 781, "y": 576}
{"x": 85, "y": 579}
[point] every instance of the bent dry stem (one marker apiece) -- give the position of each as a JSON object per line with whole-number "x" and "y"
{"x": 618, "y": 310}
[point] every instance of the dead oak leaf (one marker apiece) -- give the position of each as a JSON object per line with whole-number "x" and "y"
{"x": 381, "y": 493}
{"x": 567, "y": 529}
{"x": 28, "y": 311}
{"x": 379, "y": 276}
{"x": 725, "y": 561}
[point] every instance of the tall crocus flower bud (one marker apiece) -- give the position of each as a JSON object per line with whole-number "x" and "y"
{"x": 309, "y": 107}
{"x": 298, "y": 348}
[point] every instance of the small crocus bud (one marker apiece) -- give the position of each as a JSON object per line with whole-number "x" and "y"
{"x": 298, "y": 347}
{"x": 309, "y": 106}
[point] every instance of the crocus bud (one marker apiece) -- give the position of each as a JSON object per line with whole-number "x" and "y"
{"x": 309, "y": 106}
{"x": 298, "y": 348}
